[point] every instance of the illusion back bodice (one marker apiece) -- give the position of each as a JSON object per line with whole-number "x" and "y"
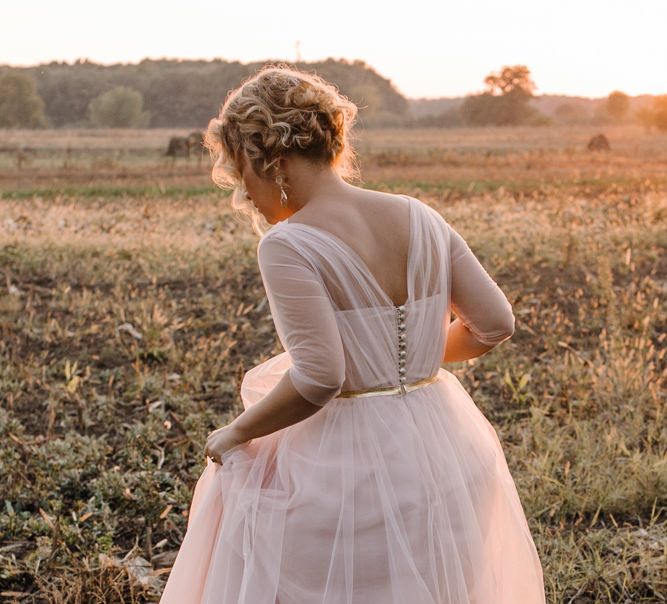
{"x": 341, "y": 329}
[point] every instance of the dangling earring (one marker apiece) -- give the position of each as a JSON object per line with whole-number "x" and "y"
{"x": 283, "y": 194}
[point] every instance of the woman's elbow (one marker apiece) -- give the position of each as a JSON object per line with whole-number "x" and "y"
{"x": 501, "y": 330}
{"x": 318, "y": 387}
{"x": 509, "y": 325}
{"x": 505, "y": 323}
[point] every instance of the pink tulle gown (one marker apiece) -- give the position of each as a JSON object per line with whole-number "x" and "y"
{"x": 403, "y": 498}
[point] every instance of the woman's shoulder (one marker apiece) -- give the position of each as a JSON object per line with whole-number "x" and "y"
{"x": 433, "y": 216}
{"x": 291, "y": 247}
{"x": 273, "y": 235}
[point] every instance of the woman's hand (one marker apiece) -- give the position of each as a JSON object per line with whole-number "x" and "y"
{"x": 221, "y": 440}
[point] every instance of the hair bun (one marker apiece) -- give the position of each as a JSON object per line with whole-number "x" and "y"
{"x": 281, "y": 110}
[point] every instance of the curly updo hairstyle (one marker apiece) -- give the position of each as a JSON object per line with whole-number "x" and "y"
{"x": 276, "y": 112}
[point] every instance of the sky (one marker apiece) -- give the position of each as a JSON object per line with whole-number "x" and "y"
{"x": 427, "y": 48}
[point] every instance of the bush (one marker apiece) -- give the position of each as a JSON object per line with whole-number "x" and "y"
{"x": 120, "y": 107}
{"x": 20, "y": 104}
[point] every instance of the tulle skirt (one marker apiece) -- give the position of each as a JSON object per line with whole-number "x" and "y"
{"x": 398, "y": 499}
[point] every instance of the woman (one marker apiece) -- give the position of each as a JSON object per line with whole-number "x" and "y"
{"x": 360, "y": 469}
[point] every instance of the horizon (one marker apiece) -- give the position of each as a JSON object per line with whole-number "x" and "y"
{"x": 212, "y": 59}
{"x": 571, "y": 49}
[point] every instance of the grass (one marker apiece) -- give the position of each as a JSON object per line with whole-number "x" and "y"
{"x": 128, "y": 319}
{"x": 110, "y": 192}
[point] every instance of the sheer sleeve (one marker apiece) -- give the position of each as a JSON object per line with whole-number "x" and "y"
{"x": 304, "y": 319}
{"x": 475, "y": 297}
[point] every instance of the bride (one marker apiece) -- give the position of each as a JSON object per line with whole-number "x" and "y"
{"x": 360, "y": 469}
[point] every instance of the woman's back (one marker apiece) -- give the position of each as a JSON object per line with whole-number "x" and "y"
{"x": 376, "y": 225}
{"x": 336, "y": 318}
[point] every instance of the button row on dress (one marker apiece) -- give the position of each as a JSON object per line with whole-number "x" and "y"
{"x": 400, "y": 310}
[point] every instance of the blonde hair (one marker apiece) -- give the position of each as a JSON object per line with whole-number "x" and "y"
{"x": 276, "y": 112}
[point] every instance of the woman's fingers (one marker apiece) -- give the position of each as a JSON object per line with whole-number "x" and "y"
{"x": 209, "y": 453}
{"x": 218, "y": 442}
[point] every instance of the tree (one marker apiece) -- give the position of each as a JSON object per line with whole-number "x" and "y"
{"x": 655, "y": 114}
{"x": 511, "y": 79}
{"x": 505, "y": 101}
{"x": 120, "y": 107}
{"x": 20, "y": 104}
{"x": 617, "y": 105}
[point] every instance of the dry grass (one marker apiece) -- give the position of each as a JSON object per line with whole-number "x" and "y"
{"x": 131, "y": 305}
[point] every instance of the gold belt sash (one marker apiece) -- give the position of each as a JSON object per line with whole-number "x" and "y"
{"x": 402, "y": 389}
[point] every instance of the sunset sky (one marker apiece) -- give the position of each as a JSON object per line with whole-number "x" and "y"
{"x": 427, "y": 49}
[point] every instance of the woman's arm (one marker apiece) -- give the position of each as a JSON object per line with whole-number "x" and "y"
{"x": 281, "y": 407}
{"x": 484, "y": 314}
{"x": 307, "y": 328}
{"x": 462, "y": 345}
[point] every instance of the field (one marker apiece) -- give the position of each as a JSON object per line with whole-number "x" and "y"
{"x": 131, "y": 305}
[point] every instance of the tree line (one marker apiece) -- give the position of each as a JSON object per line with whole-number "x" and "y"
{"x": 187, "y": 94}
